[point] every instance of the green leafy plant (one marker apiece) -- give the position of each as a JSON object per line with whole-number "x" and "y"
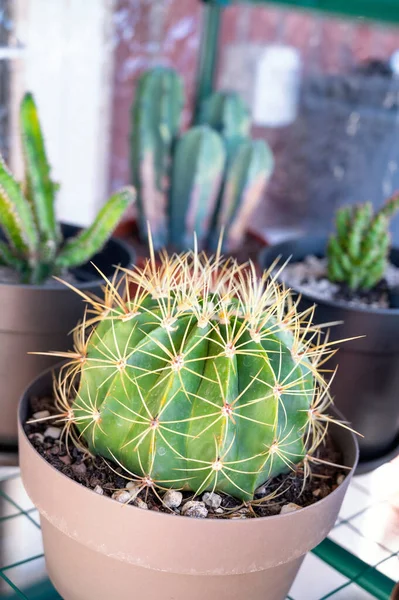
{"x": 358, "y": 252}
{"x": 207, "y": 379}
{"x": 33, "y": 243}
{"x": 202, "y": 179}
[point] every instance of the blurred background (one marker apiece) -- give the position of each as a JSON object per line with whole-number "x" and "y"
{"x": 323, "y": 91}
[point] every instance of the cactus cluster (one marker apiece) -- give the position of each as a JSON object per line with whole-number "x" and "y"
{"x": 209, "y": 178}
{"x": 32, "y": 243}
{"x": 357, "y": 254}
{"x": 204, "y": 378}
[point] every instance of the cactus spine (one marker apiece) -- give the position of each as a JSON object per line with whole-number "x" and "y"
{"x": 207, "y": 379}
{"x": 156, "y": 117}
{"x": 197, "y": 175}
{"x": 357, "y": 253}
{"x": 27, "y": 216}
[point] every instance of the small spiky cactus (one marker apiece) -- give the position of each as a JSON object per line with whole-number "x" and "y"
{"x": 34, "y": 245}
{"x": 198, "y": 167}
{"x": 245, "y": 181}
{"x": 227, "y": 113}
{"x": 207, "y": 379}
{"x": 358, "y": 252}
{"x": 156, "y": 120}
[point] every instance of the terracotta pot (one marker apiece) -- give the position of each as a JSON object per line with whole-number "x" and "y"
{"x": 98, "y": 549}
{"x": 38, "y": 318}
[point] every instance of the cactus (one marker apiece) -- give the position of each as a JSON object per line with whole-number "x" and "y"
{"x": 156, "y": 116}
{"x": 227, "y": 113}
{"x": 27, "y": 216}
{"x": 357, "y": 253}
{"x": 198, "y": 166}
{"x": 207, "y": 379}
{"x": 245, "y": 181}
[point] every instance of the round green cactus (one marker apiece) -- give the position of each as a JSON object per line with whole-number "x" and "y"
{"x": 203, "y": 377}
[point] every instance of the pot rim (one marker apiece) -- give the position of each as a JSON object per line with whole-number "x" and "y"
{"x": 385, "y": 312}
{"x": 80, "y": 285}
{"x": 161, "y": 515}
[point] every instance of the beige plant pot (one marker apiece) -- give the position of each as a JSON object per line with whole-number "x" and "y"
{"x": 98, "y": 549}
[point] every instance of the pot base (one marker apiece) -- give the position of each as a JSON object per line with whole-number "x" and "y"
{"x": 365, "y": 466}
{"x": 121, "y": 579}
{"x": 8, "y": 455}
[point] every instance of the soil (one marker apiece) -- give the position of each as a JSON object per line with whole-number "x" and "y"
{"x": 106, "y": 477}
{"x": 310, "y": 277}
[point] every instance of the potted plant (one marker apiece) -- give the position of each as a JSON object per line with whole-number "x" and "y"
{"x": 209, "y": 178}
{"x": 38, "y": 312}
{"x": 353, "y": 279}
{"x": 199, "y": 402}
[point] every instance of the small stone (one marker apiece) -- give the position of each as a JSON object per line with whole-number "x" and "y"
{"x": 140, "y": 504}
{"x": 219, "y": 511}
{"x": 240, "y": 514}
{"x": 41, "y": 414}
{"x": 261, "y": 490}
{"x": 52, "y": 432}
{"x": 79, "y": 469}
{"x": 134, "y": 488}
{"x": 212, "y": 500}
{"x": 316, "y": 493}
{"x": 122, "y": 496}
{"x": 99, "y": 490}
{"x": 340, "y": 479}
{"x": 172, "y": 498}
{"x": 290, "y": 507}
{"x": 194, "y": 509}
{"x": 37, "y": 436}
{"x": 65, "y": 459}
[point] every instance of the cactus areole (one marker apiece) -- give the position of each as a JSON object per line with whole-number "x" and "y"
{"x": 207, "y": 378}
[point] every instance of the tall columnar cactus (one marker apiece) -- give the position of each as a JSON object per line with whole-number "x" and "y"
{"x": 33, "y": 243}
{"x": 245, "y": 181}
{"x": 227, "y": 113}
{"x": 358, "y": 252}
{"x": 198, "y": 166}
{"x": 208, "y": 379}
{"x": 156, "y": 117}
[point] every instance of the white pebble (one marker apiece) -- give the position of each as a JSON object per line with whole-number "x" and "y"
{"x": 52, "y": 432}
{"x": 340, "y": 479}
{"x": 290, "y": 507}
{"x": 99, "y": 490}
{"x": 140, "y": 504}
{"x": 172, "y": 498}
{"x": 133, "y": 488}
{"x": 37, "y": 436}
{"x": 212, "y": 500}
{"x": 195, "y": 509}
{"x": 219, "y": 511}
{"x": 122, "y": 496}
{"x": 41, "y": 414}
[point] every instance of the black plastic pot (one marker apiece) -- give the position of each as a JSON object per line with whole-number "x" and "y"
{"x": 366, "y": 387}
{"x": 39, "y": 318}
